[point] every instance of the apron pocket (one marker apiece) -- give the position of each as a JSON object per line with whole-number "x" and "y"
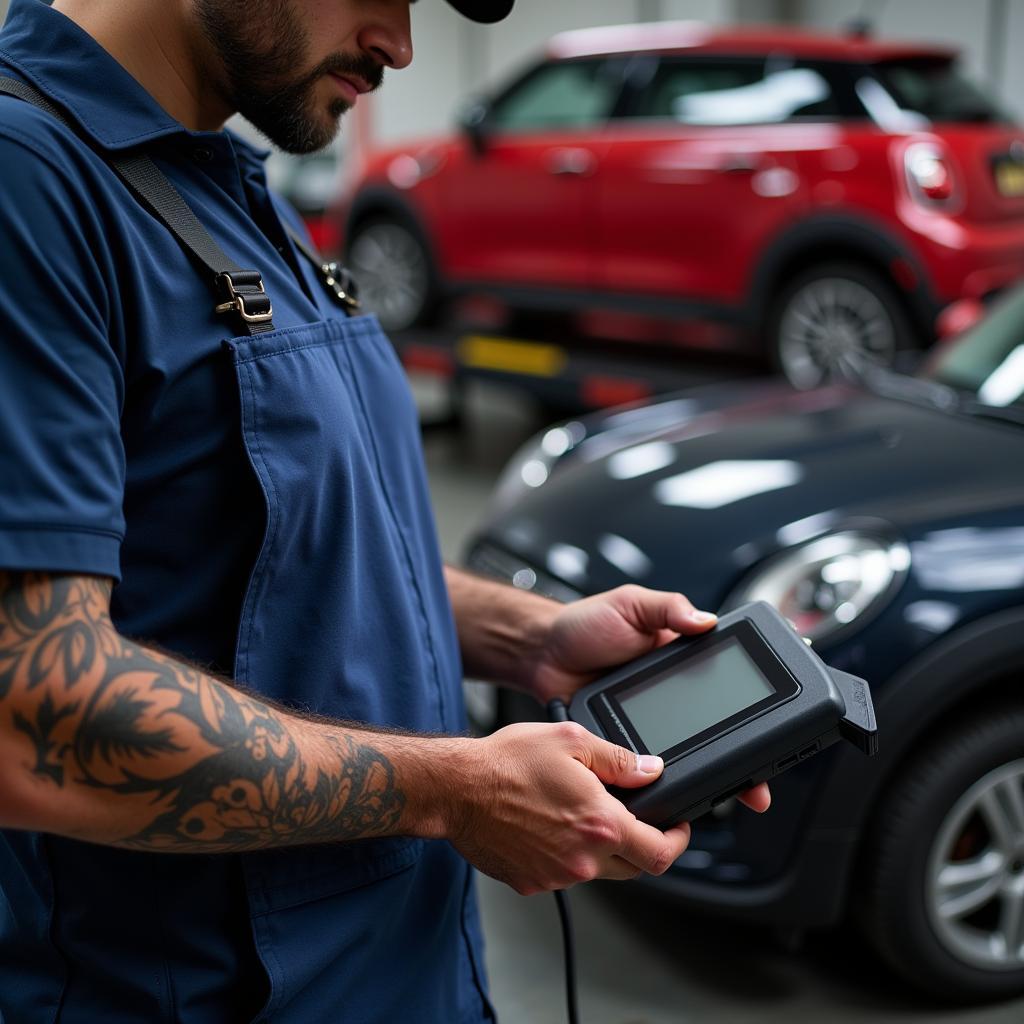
{"x": 399, "y": 943}
{"x": 300, "y": 905}
{"x": 278, "y": 879}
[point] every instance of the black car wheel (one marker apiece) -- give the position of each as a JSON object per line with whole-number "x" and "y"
{"x": 943, "y": 889}
{"x": 832, "y": 320}
{"x": 393, "y": 272}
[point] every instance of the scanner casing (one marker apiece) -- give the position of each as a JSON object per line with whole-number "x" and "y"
{"x": 827, "y": 706}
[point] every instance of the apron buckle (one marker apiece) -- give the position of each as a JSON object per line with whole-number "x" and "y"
{"x": 252, "y": 304}
{"x": 341, "y": 285}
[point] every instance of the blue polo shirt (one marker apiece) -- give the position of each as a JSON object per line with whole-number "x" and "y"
{"x": 119, "y": 441}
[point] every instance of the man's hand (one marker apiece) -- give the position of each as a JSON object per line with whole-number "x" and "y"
{"x": 597, "y": 633}
{"x": 532, "y": 811}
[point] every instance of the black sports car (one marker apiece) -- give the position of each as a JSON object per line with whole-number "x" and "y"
{"x": 886, "y": 519}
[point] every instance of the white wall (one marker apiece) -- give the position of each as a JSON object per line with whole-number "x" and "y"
{"x": 1011, "y": 86}
{"x": 454, "y": 57}
{"x": 409, "y": 101}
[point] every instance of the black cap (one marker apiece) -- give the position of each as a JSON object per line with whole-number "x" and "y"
{"x": 485, "y": 11}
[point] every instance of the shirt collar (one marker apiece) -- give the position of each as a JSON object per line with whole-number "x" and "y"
{"x": 74, "y": 71}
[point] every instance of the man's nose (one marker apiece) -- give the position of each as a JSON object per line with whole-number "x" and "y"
{"x": 388, "y": 35}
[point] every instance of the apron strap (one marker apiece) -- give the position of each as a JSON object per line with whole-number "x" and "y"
{"x": 240, "y": 291}
{"x": 337, "y": 279}
{"x": 237, "y": 290}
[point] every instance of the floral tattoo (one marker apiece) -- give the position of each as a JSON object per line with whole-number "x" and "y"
{"x": 201, "y": 765}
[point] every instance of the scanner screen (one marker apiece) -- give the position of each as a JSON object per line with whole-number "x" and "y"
{"x": 713, "y": 686}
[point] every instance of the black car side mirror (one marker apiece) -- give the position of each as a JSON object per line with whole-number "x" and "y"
{"x": 473, "y": 122}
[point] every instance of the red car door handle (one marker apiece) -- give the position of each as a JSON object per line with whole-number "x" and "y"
{"x": 578, "y": 162}
{"x": 740, "y": 163}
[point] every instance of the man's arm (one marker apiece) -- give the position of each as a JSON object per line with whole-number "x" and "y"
{"x": 106, "y": 740}
{"x": 501, "y": 629}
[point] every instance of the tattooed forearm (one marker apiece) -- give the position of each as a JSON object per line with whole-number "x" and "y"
{"x": 192, "y": 763}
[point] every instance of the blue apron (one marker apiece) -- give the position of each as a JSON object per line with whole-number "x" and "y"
{"x": 347, "y": 615}
{"x": 348, "y": 612}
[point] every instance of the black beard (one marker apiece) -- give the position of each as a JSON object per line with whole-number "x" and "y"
{"x": 260, "y": 78}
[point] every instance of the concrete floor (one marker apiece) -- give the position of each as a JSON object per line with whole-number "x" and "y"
{"x": 641, "y": 961}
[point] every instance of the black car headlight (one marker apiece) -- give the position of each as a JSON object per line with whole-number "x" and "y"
{"x": 830, "y": 583}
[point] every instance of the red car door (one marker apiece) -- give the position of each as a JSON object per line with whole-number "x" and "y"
{"x": 703, "y": 174}
{"x": 520, "y": 209}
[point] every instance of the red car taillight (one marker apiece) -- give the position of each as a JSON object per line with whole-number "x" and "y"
{"x": 929, "y": 173}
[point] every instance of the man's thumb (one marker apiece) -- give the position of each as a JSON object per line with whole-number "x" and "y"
{"x": 617, "y": 766}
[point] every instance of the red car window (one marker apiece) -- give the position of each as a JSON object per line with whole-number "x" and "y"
{"x": 936, "y": 89}
{"x": 567, "y": 94}
{"x": 737, "y": 91}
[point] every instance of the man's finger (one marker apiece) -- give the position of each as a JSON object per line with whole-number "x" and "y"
{"x": 652, "y": 610}
{"x": 757, "y": 799}
{"x": 618, "y": 869}
{"x": 653, "y": 851}
{"x": 617, "y": 766}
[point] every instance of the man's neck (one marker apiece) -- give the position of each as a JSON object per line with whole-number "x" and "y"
{"x": 154, "y": 42}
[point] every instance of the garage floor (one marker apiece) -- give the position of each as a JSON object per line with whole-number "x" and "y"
{"x": 642, "y": 962}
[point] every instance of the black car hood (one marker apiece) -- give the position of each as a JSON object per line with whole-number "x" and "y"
{"x": 733, "y": 474}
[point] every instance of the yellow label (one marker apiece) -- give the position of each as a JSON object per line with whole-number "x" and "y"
{"x": 1010, "y": 178}
{"x": 507, "y": 356}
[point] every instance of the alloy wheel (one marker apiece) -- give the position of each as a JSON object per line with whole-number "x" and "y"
{"x": 833, "y": 327}
{"x": 391, "y": 270}
{"x": 975, "y": 879}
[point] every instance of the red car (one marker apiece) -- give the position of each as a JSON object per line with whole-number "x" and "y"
{"x": 820, "y": 196}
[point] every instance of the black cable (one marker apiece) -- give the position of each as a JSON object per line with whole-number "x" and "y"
{"x": 569, "y": 945}
{"x": 558, "y": 712}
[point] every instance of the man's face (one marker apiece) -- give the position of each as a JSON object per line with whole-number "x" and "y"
{"x": 293, "y": 67}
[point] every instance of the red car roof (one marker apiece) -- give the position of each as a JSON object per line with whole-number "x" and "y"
{"x": 698, "y": 37}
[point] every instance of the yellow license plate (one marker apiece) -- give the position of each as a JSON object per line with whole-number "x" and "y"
{"x": 1010, "y": 178}
{"x": 508, "y": 356}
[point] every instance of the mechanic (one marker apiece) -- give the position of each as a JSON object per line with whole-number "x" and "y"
{"x": 184, "y": 503}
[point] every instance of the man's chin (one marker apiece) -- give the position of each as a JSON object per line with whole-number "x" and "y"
{"x": 301, "y": 136}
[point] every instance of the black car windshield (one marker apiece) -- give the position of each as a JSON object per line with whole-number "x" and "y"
{"x": 987, "y": 361}
{"x": 935, "y": 89}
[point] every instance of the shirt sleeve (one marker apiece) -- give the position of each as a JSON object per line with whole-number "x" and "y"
{"x": 62, "y": 464}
